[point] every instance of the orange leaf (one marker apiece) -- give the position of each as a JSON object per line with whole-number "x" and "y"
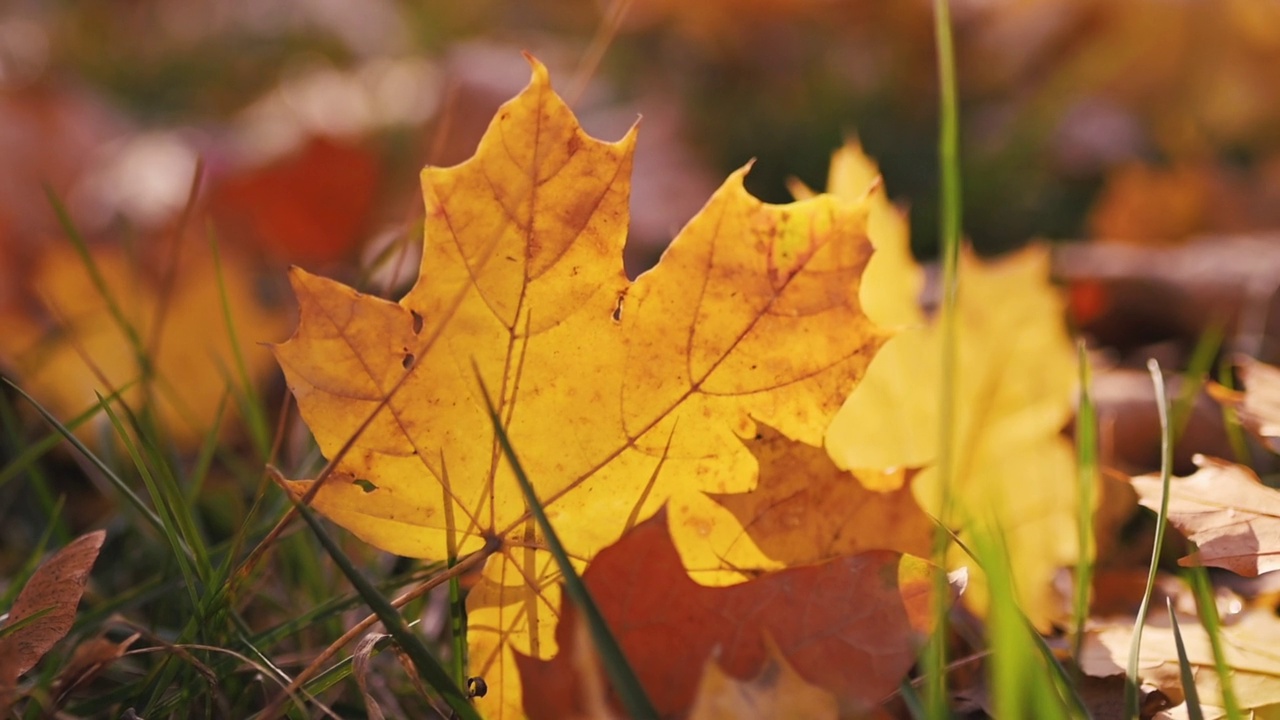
{"x": 850, "y": 626}
{"x": 1226, "y": 510}
{"x": 805, "y": 509}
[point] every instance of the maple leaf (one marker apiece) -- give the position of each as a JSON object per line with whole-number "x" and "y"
{"x": 893, "y": 280}
{"x": 76, "y": 349}
{"x": 1014, "y": 385}
{"x": 1226, "y": 510}
{"x": 616, "y": 395}
{"x": 804, "y": 509}
{"x": 850, "y": 626}
{"x": 1248, "y": 643}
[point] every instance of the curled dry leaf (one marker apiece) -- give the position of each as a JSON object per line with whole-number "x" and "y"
{"x": 616, "y": 395}
{"x": 1226, "y": 510}
{"x": 850, "y": 626}
{"x": 1249, "y": 644}
{"x": 54, "y": 589}
{"x": 1259, "y": 404}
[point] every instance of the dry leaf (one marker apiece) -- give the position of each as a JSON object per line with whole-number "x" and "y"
{"x": 616, "y": 395}
{"x": 55, "y": 587}
{"x": 1226, "y": 510}
{"x": 1249, "y": 644}
{"x": 1259, "y": 404}
{"x": 805, "y": 509}
{"x": 1014, "y": 387}
{"x": 776, "y": 693}
{"x": 850, "y": 626}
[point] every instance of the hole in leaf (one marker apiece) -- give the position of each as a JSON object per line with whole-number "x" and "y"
{"x": 477, "y": 687}
{"x": 365, "y": 485}
{"x": 617, "y": 309}
{"x": 408, "y": 361}
{"x": 417, "y": 322}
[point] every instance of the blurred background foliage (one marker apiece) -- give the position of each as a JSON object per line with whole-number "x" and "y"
{"x": 1147, "y": 118}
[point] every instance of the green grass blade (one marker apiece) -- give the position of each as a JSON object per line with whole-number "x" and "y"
{"x": 34, "y": 617}
{"x": 1198, "y": 367}
{"x": 623, "y": 678}
{"x": 935, "y": 655}
{"x": 1184, "y": 667}
{"x": 1208, "y": 611}
{"x": 428, "y": 667}
{"x": 99, "y": 282}
{"x": 251, "y": 405}
{"x": 119, "y": 484}
{"x": 169, "y": 524}
{"x": 1166, "y": 473}
{"x": 1231, "y": 419}
{"x": 36, "y": 450}
{"x": 19, "y": 579}
{"x": 1086, "y": 489}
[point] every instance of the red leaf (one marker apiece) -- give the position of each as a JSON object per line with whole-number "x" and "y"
{"x": 851, "y": 625}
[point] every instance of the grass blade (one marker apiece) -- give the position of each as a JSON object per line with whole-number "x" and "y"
{"x": 428, "y": 667}
{"x": 1184, "y": 667}
{"x": 623, "y": 678}
{"x": 1086, "y": 489}
{"x": 1208, "y": 611}
{"x": 1166, "y": 472}
{"x": 935, "y": 655}
{"x": 120, "y": 485}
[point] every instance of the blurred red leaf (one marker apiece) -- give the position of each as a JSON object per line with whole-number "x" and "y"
{"x": 309, "y": 207}
{"x": 851, "y": 625}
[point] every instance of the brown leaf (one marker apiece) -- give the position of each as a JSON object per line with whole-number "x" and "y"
{"x": 805, "y": 509}
{"x": 1226, "y": 510}
{"x": 1259, "y": 404}
{"x": 57, "y": 584}
{"x": 850, "y": 626}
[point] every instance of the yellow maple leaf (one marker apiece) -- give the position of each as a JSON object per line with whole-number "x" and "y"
{"x": 1015, "y": 380}
{"x": 616, "y": 395}
{"x": 892, "y": 282}
{"x": 74, "y": 348}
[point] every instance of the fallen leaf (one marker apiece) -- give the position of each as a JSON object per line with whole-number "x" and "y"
{"x": 850, "y": 626}
{"x": 616, "y": 395}
{"x": 776, "y": 692}
{"x": 1226, "y": 510}
{"x": 1259, "y": 404}
{"x": 1014, "y": 385}
{"x": 805, "y": 509}
{"x": 308, "y": 207}
{"x": 54, "y": 589}
{"x": 74, "y": 349}
{"x": 88, "y": 661}
{"x": 893, "y": 280}
{"x": 1249, "y": 645}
